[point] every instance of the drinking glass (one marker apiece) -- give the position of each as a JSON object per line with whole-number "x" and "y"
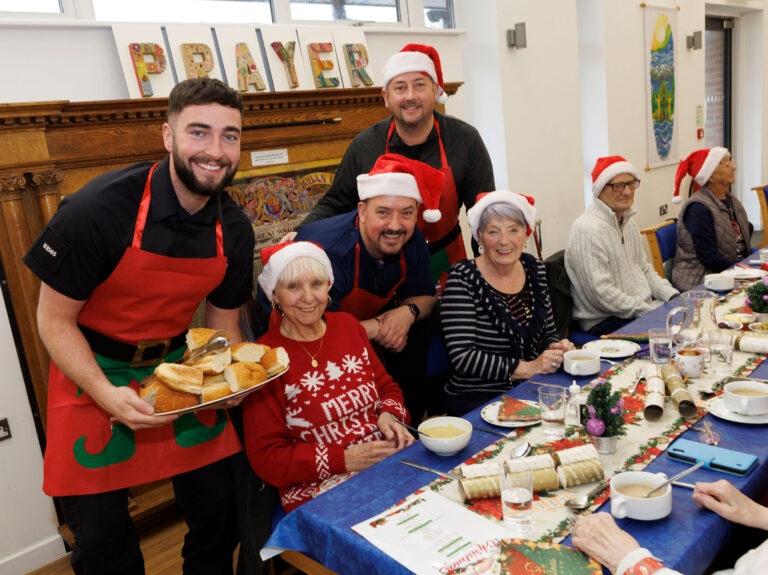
{"x": 660, "y": 344}
{"x": 764, "y": 255}
{"x": 721, "y": 359}
{"x": 516, "y": 500}
{"x": 552, "y": 402}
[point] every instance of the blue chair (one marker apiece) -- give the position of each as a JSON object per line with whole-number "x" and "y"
{"x": 662, "y": 241}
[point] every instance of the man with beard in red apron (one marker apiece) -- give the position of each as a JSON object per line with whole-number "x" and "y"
{"x": 413, "y": 84}
{"x": 381, "y": 270}
{"x": 124, "y": 263}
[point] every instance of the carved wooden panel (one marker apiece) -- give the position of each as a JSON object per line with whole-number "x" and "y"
{"x": 51, "y": 149}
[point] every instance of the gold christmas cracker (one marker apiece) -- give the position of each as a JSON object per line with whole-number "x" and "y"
{"x": 580, "y": 472}
{"x": 574, "y": 454}
{"x": 479, "y": 488}
{"x": 679, "y": 393}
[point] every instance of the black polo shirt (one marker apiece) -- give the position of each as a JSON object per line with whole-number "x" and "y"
{"x": 86, "y": 238}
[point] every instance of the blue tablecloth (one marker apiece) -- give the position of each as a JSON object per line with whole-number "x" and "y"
{"x": 688, "y": 539}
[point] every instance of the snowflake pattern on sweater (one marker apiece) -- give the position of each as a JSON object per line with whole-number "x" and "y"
{"x": 296, "y": 429}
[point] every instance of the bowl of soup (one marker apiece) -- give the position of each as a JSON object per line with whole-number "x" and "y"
{"x": 445, "y": 435}
{"x": 747, "y": 397}
{"x": 628, "y": 496}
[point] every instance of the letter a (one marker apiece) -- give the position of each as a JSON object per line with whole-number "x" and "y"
{"x": 247, "y": 72}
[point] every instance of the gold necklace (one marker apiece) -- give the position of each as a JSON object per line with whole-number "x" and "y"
{"x": 312, "y": 357}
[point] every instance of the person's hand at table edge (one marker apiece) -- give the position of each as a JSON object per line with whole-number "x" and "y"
{"x": 392, "y": 430}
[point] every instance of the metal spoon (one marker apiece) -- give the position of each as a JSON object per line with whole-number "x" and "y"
{"x": 521, "y": 450}
{"x": 676, "y": 477}
{"x": 214, "y": 345}
{"x": 582, "y": 502}
{"x": 412, "y": 429}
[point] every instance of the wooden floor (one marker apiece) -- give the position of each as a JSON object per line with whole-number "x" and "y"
{"x": 161, "y": 542}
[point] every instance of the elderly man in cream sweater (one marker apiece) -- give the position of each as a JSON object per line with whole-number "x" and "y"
{"x": 612, "y": 281}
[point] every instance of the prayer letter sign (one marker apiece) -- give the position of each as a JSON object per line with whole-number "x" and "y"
{"x": 144, "y": 68}
{"x": 194, "y": 67}
{"x": 356, "y": 57}
{"x": 286, "y": 55}
{"x": 320, "y": 65}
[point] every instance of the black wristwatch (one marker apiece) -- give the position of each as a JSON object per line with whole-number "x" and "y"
{"x": 414, "y": 310}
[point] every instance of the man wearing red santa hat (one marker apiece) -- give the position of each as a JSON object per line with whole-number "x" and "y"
{"x": 612, "y": 281}
{"x": 413, "y": 84}
{"x": 381, "y": 267}
{"x": 713, "y": 231}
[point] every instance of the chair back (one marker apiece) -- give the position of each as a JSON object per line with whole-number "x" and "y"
{"x": 662, "y": 241}
{"x": 762, "y": 197}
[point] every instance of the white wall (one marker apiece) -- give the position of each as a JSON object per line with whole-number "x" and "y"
{"x": 28, "y": 535}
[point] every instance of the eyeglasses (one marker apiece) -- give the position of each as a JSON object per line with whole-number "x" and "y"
{"x": 619, "y": 187}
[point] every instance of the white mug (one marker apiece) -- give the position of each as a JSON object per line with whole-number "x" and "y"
{"x": 690, "y": 362}
{"x": 645, "y": 509}
{"x": 581, "y": 362}
{"x": 718, "y": 282}
{"x": 736, "y": 401}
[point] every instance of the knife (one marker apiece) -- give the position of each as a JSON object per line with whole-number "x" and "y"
{"x": 447, "y": 474}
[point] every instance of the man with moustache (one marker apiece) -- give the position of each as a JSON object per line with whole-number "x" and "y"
{"x": 124, "y": 263}
{"x": 381, "y": 266}
{"x": 413, "y": 84}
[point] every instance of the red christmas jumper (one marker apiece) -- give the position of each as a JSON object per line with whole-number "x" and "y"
{"x": 297, "y": 428}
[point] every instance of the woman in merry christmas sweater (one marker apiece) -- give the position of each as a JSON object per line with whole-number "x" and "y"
{"x": 334, "y": 411}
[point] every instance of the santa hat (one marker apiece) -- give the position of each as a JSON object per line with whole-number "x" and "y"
{"x": 417, "y": 58}
{"x": 608, "y": 168}
{"x": 521, "y": 202}
{"x": 396, "y": 175}
{"x": 276, "y": 258}
{"x": 700, "y": 165}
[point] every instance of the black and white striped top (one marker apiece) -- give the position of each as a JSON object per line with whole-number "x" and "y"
{"x": 484, "y": 342}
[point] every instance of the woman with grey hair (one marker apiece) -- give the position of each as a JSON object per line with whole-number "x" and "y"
{"x": 496, "y": 314}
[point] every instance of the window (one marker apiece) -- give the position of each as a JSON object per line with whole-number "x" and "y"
{"x": 31, "y": 6}
{"x": 358, "y": 10}
{"x": 717, "y": 79}
{"x": 438, "y": 14}
{"x": 199, "y": 11}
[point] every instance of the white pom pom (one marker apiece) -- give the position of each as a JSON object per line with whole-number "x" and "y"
{"x": 677, "y": 199}
{"x": 431, "y": 216}
{"x": 442, "y": 98}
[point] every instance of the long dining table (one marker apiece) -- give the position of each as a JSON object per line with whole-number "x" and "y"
{"x": 687, "y": 540}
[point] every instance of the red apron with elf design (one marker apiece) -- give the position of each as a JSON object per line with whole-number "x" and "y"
{"x": 148, "y": 296}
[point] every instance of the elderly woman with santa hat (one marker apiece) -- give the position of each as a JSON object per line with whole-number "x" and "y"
{"x": 496, "y": 314}
{"x": 712, "y": 230}
{"x": 335, "y": 411}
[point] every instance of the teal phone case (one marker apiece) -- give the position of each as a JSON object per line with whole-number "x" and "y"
{"x": 715, "y": 458}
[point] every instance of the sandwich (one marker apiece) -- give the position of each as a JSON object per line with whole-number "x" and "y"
{"x": 275, "y": 361}
{"x": 180, "y": 377}
{"x": 244, "y": 375}
{"x": 249, "y": 351}
{"x": 165, "y": 399}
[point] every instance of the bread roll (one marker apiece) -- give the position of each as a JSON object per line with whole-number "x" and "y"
{"x": 165, "y": 399}
{"x": 215, "y": 387}
{"x": 249, "y": 351}
{"x": 244, "y": 375}
{"x": 213, "y": 363}
{"x": 180, "y": 377}
{"x": 198, "y": 336}
{"x": 275, "y": 361}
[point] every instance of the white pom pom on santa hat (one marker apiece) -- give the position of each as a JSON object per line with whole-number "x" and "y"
{"x": 396, "y": 175}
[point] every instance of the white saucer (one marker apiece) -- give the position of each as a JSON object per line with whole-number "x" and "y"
{"x": 741, "y": 273}
{"x": 718, "y": 409}
{"x": 490, "y": 413}
{"x": 612, "y": 347}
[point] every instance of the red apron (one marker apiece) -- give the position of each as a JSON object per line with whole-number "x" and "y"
{"x": 363, "y": 304}
{"x": 441, "y": 260}
{"x": 148, "y": 296}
